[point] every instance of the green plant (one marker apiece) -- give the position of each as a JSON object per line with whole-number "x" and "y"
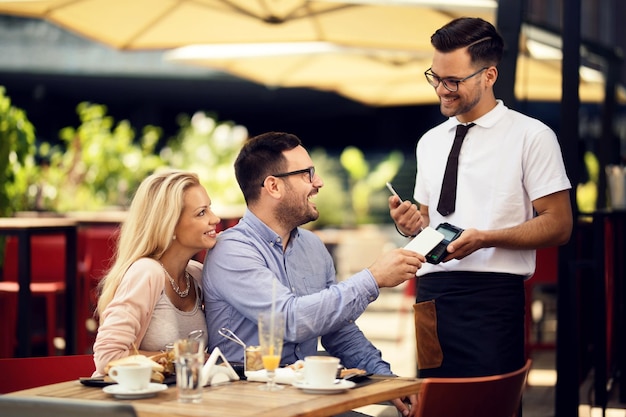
{"x": 99, "y": 164}
{"x": 587, "y": 193}
{"x": 352, "y": 192}
{"x": 208, "y": 148}
{"x": 364, "y": 182}
{"x": 332, "y": 201}
{"x": 17, "y": 150}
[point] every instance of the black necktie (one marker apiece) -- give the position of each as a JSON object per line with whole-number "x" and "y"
{"x": 447, "y": 199}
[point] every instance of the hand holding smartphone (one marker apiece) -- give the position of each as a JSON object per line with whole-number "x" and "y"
{"x": 394, "y": 192}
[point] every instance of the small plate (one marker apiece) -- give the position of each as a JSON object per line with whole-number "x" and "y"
{"x": 123, "y": 394}
{"x": 341, "y": 386}
{"x": 96, "y": 382}
{"x": 101, "y": 382}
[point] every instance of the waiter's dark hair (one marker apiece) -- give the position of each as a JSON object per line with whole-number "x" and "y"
{"x": 482, "y": 40}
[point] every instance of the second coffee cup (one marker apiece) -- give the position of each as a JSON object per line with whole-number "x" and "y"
{"x": 320, "y": 371}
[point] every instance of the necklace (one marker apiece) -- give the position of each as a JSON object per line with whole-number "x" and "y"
{"x": 181, "y": 294}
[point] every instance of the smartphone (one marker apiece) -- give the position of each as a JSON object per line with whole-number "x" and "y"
{"x": 394, "y": 192}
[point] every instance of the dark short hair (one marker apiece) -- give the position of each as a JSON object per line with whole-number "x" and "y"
{"x": 259, "y": 157}
{"x": 485, "y": 43}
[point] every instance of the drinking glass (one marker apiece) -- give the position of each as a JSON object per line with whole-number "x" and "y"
{"x": 189, "y": 359}
{"x": 271, "y": 334}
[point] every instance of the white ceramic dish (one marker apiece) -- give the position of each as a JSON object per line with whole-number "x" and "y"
{"x": 123, "y": 394}
{"x": 341, "y": 386}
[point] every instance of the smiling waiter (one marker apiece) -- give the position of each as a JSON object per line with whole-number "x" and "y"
{"x": 511, "y": 197}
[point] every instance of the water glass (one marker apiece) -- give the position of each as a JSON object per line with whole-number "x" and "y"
{"x": 189, "y": 360}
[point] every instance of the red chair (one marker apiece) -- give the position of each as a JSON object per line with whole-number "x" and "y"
{"x": 25, "y": 373}
{"x": 493, "y": 396}
{"x": 47, "y": 281}
{"x": 96, "y": 252}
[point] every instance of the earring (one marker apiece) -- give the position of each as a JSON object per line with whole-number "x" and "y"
{"x": 174, "y": 237}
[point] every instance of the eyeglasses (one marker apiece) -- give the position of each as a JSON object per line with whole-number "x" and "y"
{"x": 309, "y": 170}
{"x": 449, "y": 84}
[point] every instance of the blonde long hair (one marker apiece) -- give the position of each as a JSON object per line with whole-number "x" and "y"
{"x": 149, "y": 225}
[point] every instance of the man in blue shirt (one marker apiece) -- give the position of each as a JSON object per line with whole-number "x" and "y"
{"x": 267, "y": 255}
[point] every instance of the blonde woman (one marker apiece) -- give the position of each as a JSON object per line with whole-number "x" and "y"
{"x": 152, "y": 294}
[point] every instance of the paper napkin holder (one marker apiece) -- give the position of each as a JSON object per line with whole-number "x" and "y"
{"x": 217, "y": 370}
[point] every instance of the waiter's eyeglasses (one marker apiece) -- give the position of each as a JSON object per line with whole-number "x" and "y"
{"x": 449, "y": 84}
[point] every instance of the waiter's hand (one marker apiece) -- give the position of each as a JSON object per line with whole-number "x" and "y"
{"x": 467, "y": 243}
{"x": 406, "y": 215}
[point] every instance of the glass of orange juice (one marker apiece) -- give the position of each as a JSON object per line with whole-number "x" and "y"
{"x": 271, "y": 333}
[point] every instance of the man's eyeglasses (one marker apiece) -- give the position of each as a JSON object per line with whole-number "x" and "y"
{"x": 449, "y": 84}
{"x": 309, "y": 170}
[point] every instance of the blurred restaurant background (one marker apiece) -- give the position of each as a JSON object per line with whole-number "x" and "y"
{"x": 94, "y": 95}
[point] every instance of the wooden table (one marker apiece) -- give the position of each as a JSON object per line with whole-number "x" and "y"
{"x": 244, "y": 399}
{"x": 94, "y": 218}
{"x": 24, "y": 228}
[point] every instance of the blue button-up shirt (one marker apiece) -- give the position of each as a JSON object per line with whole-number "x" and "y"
{"x": 239, "y": 282}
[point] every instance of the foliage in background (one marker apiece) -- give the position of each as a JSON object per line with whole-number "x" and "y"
{"x": 587, "y": 193}
{"x": 99, "y": 164}
{"x": 332, "y": 199}
{"x": 352, "y": 188}
{"x": 17, "y": 150}
{"x": 364, "y": 181}
{"x": 208, "y": 148}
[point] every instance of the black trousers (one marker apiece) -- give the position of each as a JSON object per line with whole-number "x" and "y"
{"x": 480, "y": 322}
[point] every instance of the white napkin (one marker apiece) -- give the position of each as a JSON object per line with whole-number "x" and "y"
{"x": 283, "y": 376}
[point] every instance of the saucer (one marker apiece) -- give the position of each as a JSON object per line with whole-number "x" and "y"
{"x": 124, "y": 394}
{"x": 341, "y": 386}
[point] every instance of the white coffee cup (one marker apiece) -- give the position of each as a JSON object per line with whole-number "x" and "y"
{"x": 131, "y": 376}
{"x": 320, "y": 371}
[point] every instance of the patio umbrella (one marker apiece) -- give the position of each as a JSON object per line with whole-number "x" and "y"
{"x": 164, "y": 24}
{"x": 315, "y": 65}
{"x": 372, "y": 76}
{"x": 536, "y": 80}
{"x": 541, "y": 80}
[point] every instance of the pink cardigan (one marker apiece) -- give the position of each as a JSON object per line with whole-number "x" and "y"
{"x": 125, "y": 320}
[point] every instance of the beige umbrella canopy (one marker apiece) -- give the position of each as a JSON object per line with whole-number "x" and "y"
{"x": 536, "y": 80}
{"x": 381, "y": 26}
{"x": 385, "y": 43}
{"x": 164, "y": 24}
{"x": 315, "y": 65}
{"x": 372, "y": 76}
{"x": 541, "y": 80}
{"x": 398, "y": 92}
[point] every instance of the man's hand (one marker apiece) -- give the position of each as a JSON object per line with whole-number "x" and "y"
{"x": 467, "y": 243}
{"x": 406, "y": 216}
{"x": 395, "y": 267}
{"x": 406, "y": 409}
